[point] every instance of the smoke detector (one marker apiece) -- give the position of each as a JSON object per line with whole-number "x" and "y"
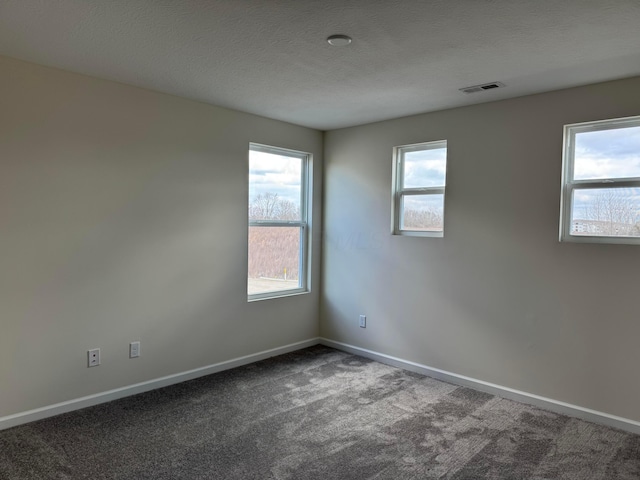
{"x": 339, "y": 40}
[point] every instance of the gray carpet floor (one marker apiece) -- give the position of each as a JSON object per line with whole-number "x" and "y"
{"x": 317, "y": 413}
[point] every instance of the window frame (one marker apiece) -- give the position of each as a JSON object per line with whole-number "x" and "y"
{"x": 569, "y": 184}
{"x": 304, "y": 223}
{"x": 400, "y": 192}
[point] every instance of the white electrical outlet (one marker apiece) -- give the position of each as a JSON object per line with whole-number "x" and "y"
{"x": 134, "y": 349}
{"x": 93, "y": 357}
{"x": 363, "y": 321}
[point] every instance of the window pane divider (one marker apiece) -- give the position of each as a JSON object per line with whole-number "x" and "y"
{"x": 606, "y": 183}
{"x": 423, "y": 191}
{"x": 276, "y": 223}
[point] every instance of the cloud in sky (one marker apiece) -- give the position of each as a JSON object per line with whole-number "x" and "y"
{"x": 607, "y": 154}
{"x": 425, "y": 168}
{"x": 271, "y": 173}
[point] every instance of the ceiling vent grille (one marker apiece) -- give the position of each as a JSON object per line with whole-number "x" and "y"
{"x": 483, "y": 87}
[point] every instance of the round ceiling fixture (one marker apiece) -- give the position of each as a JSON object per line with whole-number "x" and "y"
{"x": 339, "y": 40}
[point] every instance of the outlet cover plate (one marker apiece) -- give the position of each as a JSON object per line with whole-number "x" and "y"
{"x": 93, "y": 357}
{"x": 134, "y": 349}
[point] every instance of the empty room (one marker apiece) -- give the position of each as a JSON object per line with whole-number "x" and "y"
{"x": 297, "y": 239}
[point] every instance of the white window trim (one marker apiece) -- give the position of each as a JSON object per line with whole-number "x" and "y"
{"x": 569, "y": 184}
{"x": 304, "y": 261}
{"x": 399, "y": 192}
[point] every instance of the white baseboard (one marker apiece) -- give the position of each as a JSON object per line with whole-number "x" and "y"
{"x": 90, "y": 400}
{"x": 498, "y": 390}
{"x": 505, "y": 392}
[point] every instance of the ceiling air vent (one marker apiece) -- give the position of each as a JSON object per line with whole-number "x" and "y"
{"x": 484, "y": 86}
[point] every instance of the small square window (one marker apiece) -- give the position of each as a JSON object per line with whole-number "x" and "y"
{"x": 420, "y": 173}
{"x": 601, "y": 182}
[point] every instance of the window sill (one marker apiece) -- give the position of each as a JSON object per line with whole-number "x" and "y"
{"x": 417, "y": 233}
{"x": 272, "y": 295}
{"x": 601, "y": 240}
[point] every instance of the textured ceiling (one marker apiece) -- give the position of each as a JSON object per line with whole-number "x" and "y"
{"x": 270, "y": 57}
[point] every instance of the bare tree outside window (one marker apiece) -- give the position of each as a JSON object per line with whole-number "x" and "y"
{"x": 269, "y": 206}
{"x": 427, "y": 218}
{"x": 607, "y": 212}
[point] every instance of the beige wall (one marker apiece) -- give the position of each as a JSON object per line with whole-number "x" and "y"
{"x": 123, "y": 217}
{"x": 498, "y": 298}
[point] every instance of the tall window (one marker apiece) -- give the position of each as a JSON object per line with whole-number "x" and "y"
{"x": 601, "y": 182}
{"x": 420, "y": 173}
{"x": 278, "y": 222}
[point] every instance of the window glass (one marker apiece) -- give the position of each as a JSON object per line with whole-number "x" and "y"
{"x": 274, "y": 256}
{"x": 423, "y": 212}
{"x": 275, "y": 186}
{"x": 425, "y": 168}
{"x": 606, "y": 212}
{"x": 612, "y": 153}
